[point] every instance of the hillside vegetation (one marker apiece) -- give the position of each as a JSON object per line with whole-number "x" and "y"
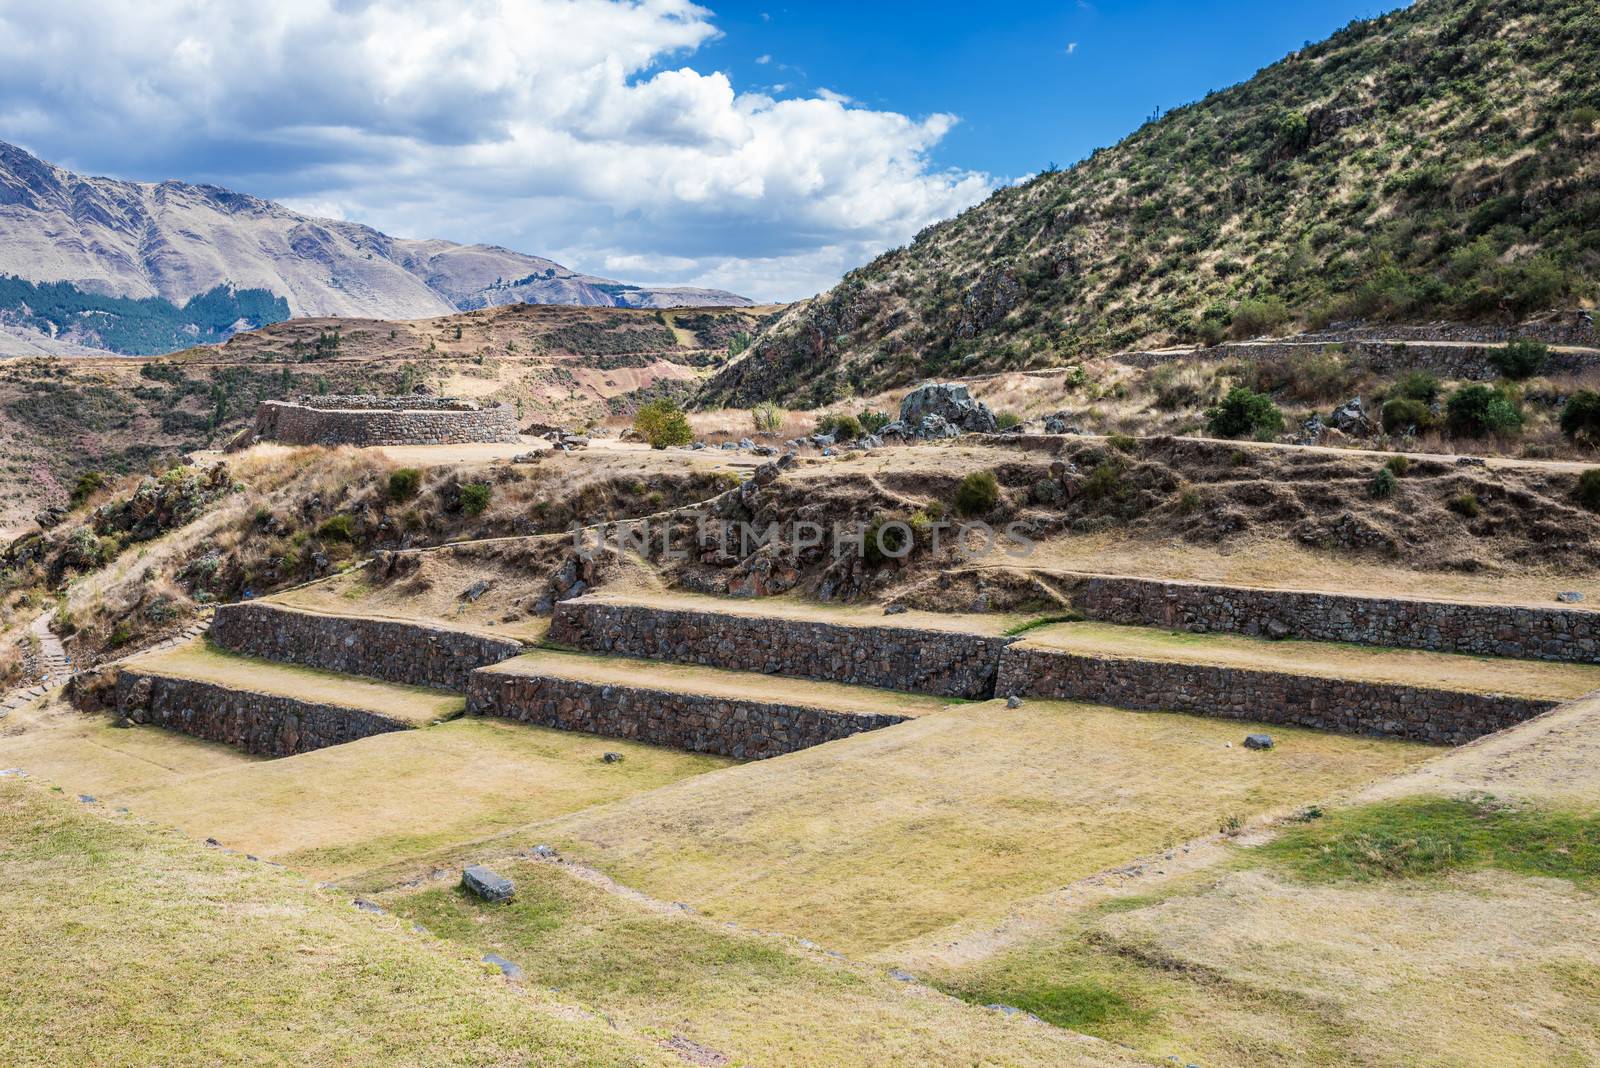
{"x": 1438, "y": 162}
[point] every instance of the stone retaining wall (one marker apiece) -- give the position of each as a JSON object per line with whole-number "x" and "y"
{"x": 1471, "y": 360}
{"x": 296, "y": 424}
{"x": 743, "y": 729}
{"x": 264, "y": 724}
{"x": 393, "y": 650}
{"x": 943, "y": 663}
{"x": 1347, "y": 706}
{"x": 1564, "y": 634}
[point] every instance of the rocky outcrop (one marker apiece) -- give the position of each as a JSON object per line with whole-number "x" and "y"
{"x": 941, "y": 410}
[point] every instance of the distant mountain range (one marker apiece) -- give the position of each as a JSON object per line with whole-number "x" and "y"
{"x": 97, "y": 264}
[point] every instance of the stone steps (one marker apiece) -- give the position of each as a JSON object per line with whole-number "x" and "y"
{"x": 267, "y": 708}
{"x": 949, "y": 657}
{"x": 395, "y": 650}
{"x": 741, "y": 714}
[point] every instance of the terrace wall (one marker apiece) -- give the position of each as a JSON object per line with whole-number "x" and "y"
{"x": 379, "y": 422}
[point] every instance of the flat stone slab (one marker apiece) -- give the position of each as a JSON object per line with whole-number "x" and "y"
{"x": 487, "y": 884}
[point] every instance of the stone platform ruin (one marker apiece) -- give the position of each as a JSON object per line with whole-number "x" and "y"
{"x": 373, "y": 420}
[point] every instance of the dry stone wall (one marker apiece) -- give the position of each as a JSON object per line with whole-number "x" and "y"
{"x": 1564, "y": 634}
{"x": 264, "y": 724}
{"x": 743, "y": 729}
{"x": 393, "y": 650}
{"x": 944, "y": 663}
{"x": 377, "y": 421}
{"x": 1469, "y": 360}
{"x": 1347, "y": 706}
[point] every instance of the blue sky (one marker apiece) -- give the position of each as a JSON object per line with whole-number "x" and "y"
{"x": 1005, "y": 69}
{"x": 759, "y": 147}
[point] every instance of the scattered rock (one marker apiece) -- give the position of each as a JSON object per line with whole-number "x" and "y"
{"x": 1569, "y": 597}
{"x": 612, "y": 758}
{"x": 900, "y": 976}
{"x": 1351, "y": 418}
{"x": 1013, "y": 701}
{"x": 88, "y": 799}
{"x": 543, "y": 851}
{"x": 894, "y": 609}
{"x": 507, "y": 968}
{"x": 766, "y": 474}
{"x": 364, "y": 905}
{"x": 1258, "y": 741}
{"x": 476, "y": 590}
{"x": 1277, "y": 630}
{"x": 486, "y": 884}
{"x": 213, "y": 843}
{"x": 1471, "y": 461}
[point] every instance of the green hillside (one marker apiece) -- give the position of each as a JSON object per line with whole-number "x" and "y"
{"x": 1439, "y": 162}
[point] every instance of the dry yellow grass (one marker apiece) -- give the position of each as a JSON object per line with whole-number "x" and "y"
{"x": 198, "y": 660}
{"x": 714, "y": 682}
{"x": 865, "y": 843}
{"x": 125, "y": 945}
{"x": 1525, "y": 678}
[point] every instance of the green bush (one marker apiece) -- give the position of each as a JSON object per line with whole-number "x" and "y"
{"x": 1476, "y": 411}
{"x": 1244, "y": 413}
{"x": 475, "y": 497}
{"x": 1589, "y": 489}
{"x": 1418, "y": 385}
{"x": 404, "y": 484}
{"x": 1521, "y": 359}
{"x": 885, "y": 539}
{"x": 841, "y": 426}
{"x": 1401, "y": 414}
{"x": 1580, "y": 419}
{"x": 977, "y": 494}
{"x": 1252, "y": 318}
{"x": 872, "y": 422}
{"x": 1466, "y": 505}
{"x": 1384, "y": 483}
{"x": 1122, "y": 442}
{"x": 662, "y": 424}
{"x": 341, "y": 527}
{"x": 1006, "y": 420}
{"x": 1104, "y": 482}
{"x": 1398, "y": 464}
{"x": 89, "y": 483}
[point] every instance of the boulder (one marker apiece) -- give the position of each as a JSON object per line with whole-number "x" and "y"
{"x": 487, "y": 885}
{"x": 1351, "y": 418}
{"x": 934, "y": 427}
{"x": 1258, "y": 741}
{"x": 1057, "y": 424}
{"x": 1569, "y": 597}
{"x": 949, "y": 401}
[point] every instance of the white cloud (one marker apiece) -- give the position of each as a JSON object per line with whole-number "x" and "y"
{"x": 573, "y": 128}
{"x": 1072, "y": 47}
{"x": 763, "y": 60}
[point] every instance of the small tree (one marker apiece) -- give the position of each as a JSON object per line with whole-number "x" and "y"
{"x": 977, "y": 494}
{"x": 475, "y": 497}
{"x": 663, "y": 424}
{"x": 1402, "y": 414}
{"x": 1580, "y": 419}
{"x": 1476, "y": 411}
{"x": 1244, "y": 413}
{"x": 842, "y": 426}
{"x": 1589, "y": 489}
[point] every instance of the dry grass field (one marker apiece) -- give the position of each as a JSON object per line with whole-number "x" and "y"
{"x": 125, "y": 944}
{"x": 884, "y": 837}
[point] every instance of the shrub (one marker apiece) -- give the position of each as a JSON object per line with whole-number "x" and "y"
{"x": 1104, "y": 482}
{"x": 1255, "y": 317}
{"x": 1521, "y": 359}
{"x": 1384, "y": 483}
{"x": 89, "y": 483}
{"x": 885, "y": 539}
{"x": 1580, "y": 419}
{"x": 661, "y": 423}
{"x": 1122, "y": 442}
{"x": 475, "y": 496}
{"x": 341, "y": 527}
{"x": 404, "y": 484}
{"x": 1006, "y": 420}
{"x": 1589, "y": 489}
{"x": 1476, "y": 410}
{"x": 872, "y": 422}
{"x": 841, "y": 426}
{"x": 766, "y": 417}
{"x": 1466, "y": 505}
{"x": 1244, "y": 413}
{"x": 1418, "y": 385}
{"x": 1398, "y": 464}
{"x": 977, "y": 494}
{"x": 1403, "y": 414}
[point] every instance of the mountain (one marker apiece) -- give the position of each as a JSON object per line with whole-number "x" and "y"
{"x": 134, "y": 251}
{"x": 1442, "y": 161}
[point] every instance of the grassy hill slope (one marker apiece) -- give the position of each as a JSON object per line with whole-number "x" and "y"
{"x": 1440, "y": 161}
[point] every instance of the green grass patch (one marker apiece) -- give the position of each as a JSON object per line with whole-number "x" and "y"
{"x": 1419, "y": 837}
{"x": 1042, "y": 621}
